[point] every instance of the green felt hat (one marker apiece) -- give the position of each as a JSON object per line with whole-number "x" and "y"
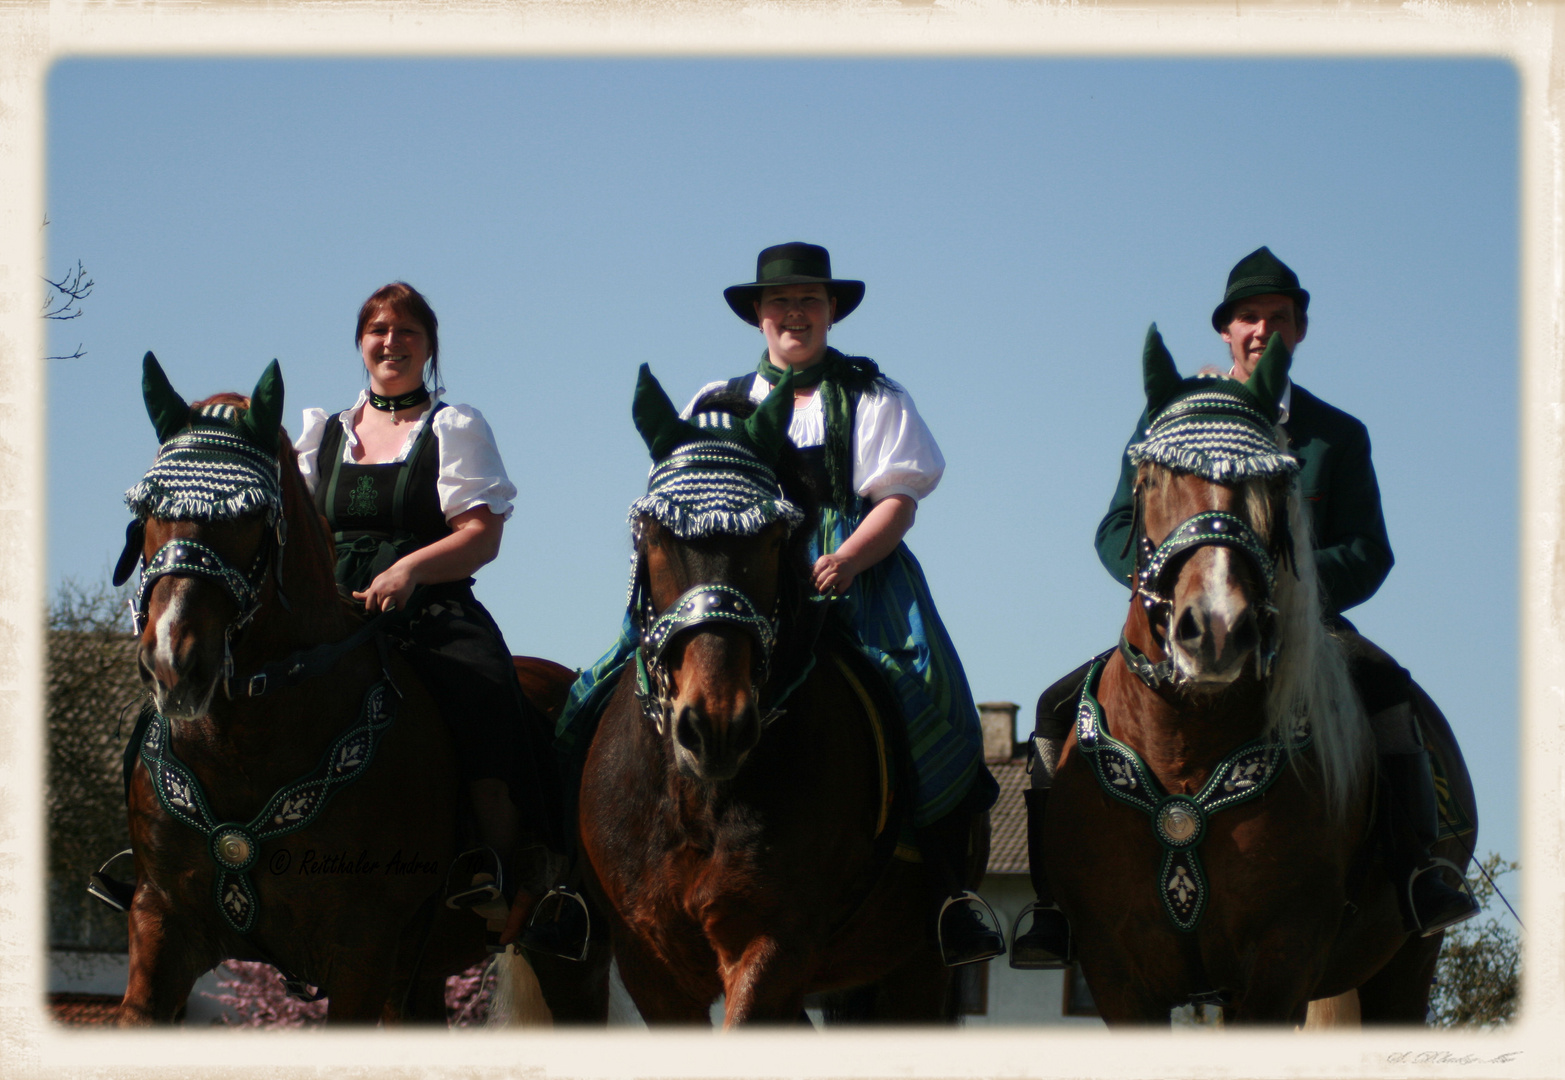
{"x": 1258, "y": 274}
{"x": 793, "y": 264}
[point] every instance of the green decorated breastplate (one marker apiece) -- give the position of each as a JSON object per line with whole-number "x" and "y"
{"x": 1178, "y": 821}
{"x": 234, "y": 846}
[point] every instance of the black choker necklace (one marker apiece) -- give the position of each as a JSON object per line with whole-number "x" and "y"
{"x": 403, "y": 401}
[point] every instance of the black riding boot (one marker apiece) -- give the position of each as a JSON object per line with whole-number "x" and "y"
{"x": 963, "y": 934}
{"x": 1430, "y": 904}
{"x": 1047, "y": 943}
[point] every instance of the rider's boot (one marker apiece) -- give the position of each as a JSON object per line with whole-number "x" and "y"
{"x": 1430, "y": 903}
{"x": 490, "y": 883}
{"x": 1047, "y": 942}
{"x": 961, "y": 930}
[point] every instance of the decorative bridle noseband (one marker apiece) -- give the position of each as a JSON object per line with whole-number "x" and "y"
{"x": 708, "y": 604}
{"x": 1157, "y": 569}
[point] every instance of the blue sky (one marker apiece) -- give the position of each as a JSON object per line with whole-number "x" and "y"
{"x": 1018, "y": 222}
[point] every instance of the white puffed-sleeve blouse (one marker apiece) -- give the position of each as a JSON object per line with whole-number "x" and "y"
{"x": 893, "y": 450}
{"x": 470, "y": 470}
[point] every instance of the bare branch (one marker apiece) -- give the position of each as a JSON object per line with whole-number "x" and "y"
{"x": 73, "y": 287}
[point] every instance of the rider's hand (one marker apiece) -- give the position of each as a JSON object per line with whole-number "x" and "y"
{"x": 833, "y": 574}
{"x": 390, "y": 589}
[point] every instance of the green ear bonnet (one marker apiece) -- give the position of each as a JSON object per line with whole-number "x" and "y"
{"x": 1217, "y": 428}
{"x": 217, "y": 464}
{"x": 715, "y": 473}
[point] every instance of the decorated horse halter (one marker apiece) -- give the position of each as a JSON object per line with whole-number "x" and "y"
{"x": 1178, "y": 821}
{"x": 1215, "y": 430}
{"x": 1157, "y": 569}
{"x": 208, "y": 473}
{"x": 704, "y": 488}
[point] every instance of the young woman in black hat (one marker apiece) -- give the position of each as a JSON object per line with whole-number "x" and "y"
{"x": 873, "y": 459}
{"x": 416, "y": 496}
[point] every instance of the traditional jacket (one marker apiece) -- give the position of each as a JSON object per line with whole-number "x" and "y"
{"x": 1337, "y": 479}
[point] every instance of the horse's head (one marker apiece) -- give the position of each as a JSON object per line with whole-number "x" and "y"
{"x": 1212, "y": 487}
{"x": 713, "y": 563}
{"x": 208, "y": 529}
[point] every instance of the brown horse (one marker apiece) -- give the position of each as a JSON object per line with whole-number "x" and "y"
{"x": 735, "y": 804}
{"x": 338, "y": 881}
{"x": 1203, "y": 843}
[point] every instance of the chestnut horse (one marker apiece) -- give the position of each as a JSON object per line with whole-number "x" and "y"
{"x": 305, "y": 822}
{"x": 734, "y": 804}
{"x": 1209, "y": 835}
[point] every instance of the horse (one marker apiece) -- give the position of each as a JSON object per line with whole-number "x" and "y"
{"x": 741, "y": 795}
{"x": 1210, "y": 835}
{"x": 307, "y": 822}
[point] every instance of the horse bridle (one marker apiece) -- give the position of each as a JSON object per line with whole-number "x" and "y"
{"x": 187, "y": 557}
{"x": 708, "y": 603}
{"x": 1157, "y": 570}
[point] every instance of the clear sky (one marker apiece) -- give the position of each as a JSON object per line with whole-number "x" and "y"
{"x": 1018, "y": 222}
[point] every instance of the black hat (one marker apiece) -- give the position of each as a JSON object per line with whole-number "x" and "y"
{"x": 1258, "y": 274}
{"x": 793, "y": 264}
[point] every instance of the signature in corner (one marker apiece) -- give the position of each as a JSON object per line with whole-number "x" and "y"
{"x": 1445, "y": 1057}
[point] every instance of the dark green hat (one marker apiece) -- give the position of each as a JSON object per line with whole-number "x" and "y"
{"x": 1258, "y": 274}
{"x": 793, "y": 264}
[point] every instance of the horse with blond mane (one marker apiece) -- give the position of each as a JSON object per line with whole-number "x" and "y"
{"x": 1212, "y": 831}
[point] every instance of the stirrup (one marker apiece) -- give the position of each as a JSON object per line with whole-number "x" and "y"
{"x": 542, "y": 933}
{"x": 1021, "y": 959}
{"x": 1445, "y": 922}
{"x": 479, "y": 862}
{"x": 117, "y": 894}
{"x": 971, "y": 902}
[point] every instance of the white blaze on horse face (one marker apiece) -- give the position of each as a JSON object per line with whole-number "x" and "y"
{"x": 172, "y": 691}
{"x": 1210, "y": 611}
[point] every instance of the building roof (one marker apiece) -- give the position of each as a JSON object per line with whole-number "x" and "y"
{"x": 1008, "y": 819}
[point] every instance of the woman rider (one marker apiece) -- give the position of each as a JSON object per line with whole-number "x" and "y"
{"x": 416, "y": 496}
{"x": 872, "y": 458}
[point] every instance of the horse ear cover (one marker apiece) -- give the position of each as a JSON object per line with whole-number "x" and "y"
{"x": 768, "y": 425}
{"x": 265, "y": 414}
{"x": 657, "y": 420}
{"x": 167, "y": 409}
{"x": 1158, "y": 373}
{"x": 1271, "y": 374}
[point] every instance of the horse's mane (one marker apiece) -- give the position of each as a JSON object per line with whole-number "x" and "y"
{"x": 1310, "y": 676}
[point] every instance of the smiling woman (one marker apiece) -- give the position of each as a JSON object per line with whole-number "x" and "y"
{"x": 416, "y": 496}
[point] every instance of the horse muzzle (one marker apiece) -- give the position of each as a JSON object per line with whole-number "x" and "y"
{"x": 175, "y": 666}
{"x": 1212, "y": 636}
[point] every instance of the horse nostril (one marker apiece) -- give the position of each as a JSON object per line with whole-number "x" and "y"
{"x": 1188, "y": 630}
{"x": 687, "y": 732}
{"x": 1246, "y": 635}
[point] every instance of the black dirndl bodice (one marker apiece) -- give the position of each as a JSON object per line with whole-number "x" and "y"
{"x": 379, "y": 513}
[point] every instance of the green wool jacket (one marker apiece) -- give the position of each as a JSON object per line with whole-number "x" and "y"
{"x": 1352, "y": 552}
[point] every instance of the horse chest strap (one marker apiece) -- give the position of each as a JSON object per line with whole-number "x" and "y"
{"x": 234, "y": 846}
{"x": 1179, "y": 822}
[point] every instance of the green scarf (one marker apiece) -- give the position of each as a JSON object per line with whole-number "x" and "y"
{"x": 841, "y": 380}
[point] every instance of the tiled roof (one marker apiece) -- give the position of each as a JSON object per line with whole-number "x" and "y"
{"x": 78, "y": 1010}
{"x": 1008, "y": 819}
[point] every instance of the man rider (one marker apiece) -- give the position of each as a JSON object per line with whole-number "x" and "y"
{"x": 1352, "y": 558}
